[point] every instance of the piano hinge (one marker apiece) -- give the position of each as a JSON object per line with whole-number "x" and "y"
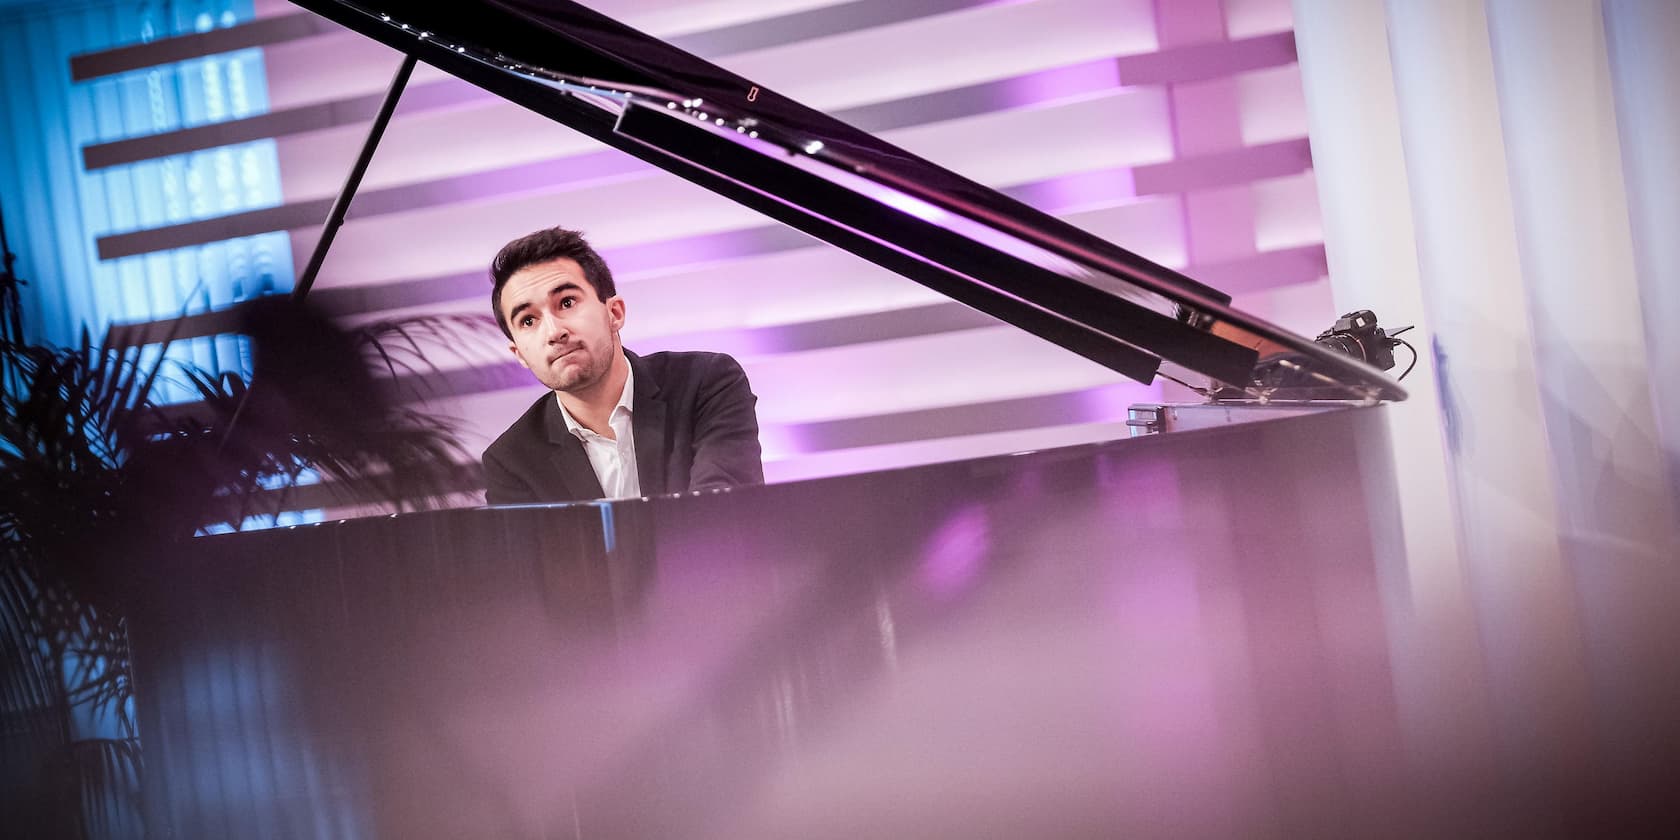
{"x": 1144, "y": 419}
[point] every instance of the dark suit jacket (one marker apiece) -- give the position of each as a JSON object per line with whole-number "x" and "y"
{"x": 695, "y": 428}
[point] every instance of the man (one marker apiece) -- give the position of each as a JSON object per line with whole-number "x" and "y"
{"x": 616, "y": 424}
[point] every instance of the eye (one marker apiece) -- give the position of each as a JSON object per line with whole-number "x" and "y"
{"x": 527, "y": 320}
{"x": 568, "y": 302}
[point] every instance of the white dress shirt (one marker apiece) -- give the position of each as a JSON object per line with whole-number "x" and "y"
{"x": 614, "y": 460}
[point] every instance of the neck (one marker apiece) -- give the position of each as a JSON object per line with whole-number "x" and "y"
{"x": 592, "y": 406}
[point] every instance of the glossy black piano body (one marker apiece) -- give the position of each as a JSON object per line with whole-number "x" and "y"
{"x": 1175, "y": 634}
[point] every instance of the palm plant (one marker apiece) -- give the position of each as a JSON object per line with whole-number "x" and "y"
{"x": 96, "y": 475}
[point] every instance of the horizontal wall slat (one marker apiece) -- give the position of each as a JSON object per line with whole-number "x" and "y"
{"x": 983, "y": 44}
{"x": 949, "y": 141}
{"x": 782, "y": 464}
{"x": 1177, "y": 65}
{"x": 1265, "y": 270}
{"x": 293, "y": 25}
{"x": 946, "y": 140}
{"x": 256, "y": 33}
{"x": 1070, "y": 407}
{"x": 274, "y": 124}
{"x": 808, "y": 24}
{"x": 998, "y": 363}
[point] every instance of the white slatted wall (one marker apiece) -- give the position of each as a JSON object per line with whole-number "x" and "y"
{"x": 1174, "y": 129}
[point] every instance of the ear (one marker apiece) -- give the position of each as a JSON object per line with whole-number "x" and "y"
{"x": 615, "y": 312}
{"x": 518, "y": 355}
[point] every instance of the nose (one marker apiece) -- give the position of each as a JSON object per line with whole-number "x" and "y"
{"x": 554, "y": 330}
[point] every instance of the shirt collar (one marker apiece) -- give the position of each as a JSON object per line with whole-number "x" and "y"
{"x": 626, "y": 403}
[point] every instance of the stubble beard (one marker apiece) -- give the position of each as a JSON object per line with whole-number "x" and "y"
{"x": 575, "y": 378}
{"x": 571, "y": 376}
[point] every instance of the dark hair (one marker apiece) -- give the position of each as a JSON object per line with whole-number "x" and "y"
{"x": 540, "y": 247}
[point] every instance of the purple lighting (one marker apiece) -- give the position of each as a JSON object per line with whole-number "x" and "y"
{"x": 1060, "y": 83}
{"x": 956, "y": 552}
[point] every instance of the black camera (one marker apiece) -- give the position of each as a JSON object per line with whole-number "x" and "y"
{"x": 1356, "y": 334}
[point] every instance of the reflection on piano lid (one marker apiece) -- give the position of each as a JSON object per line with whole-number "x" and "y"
{"x": 850, "y": 189}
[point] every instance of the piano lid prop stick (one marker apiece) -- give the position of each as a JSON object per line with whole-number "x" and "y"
{"x": 341, "y": 205}
{"x": 335, "y": 217}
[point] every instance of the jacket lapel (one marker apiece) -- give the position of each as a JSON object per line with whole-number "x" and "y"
{"x": 648, "y": 420}
{"x": 572, "y": 469}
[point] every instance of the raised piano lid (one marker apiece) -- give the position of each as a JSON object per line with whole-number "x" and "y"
{"x": 848, "y": 188}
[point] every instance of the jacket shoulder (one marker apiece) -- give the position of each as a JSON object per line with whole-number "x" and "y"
{"x": 531, "y": 426}
{"x": 685, "y": 364}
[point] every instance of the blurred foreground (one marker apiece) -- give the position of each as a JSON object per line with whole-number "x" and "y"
{"x": 1203, "y": 634}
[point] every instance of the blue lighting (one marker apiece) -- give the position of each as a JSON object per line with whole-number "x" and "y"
{"x": 55, "y": 207}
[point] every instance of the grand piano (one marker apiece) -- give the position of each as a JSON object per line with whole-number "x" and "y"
{"x": 1182, "y": 632}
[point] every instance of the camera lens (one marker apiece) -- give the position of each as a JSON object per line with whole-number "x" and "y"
{"x": 1344, "y": 344}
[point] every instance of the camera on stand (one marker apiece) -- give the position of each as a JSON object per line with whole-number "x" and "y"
{"x": 1283, "y": 381}
{"x": 1355, "y": 334}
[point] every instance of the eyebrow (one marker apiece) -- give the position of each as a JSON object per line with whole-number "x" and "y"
{"x": 566, "y": 286}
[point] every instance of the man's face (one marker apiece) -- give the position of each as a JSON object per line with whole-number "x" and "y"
{"x": 561, "y": 329}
